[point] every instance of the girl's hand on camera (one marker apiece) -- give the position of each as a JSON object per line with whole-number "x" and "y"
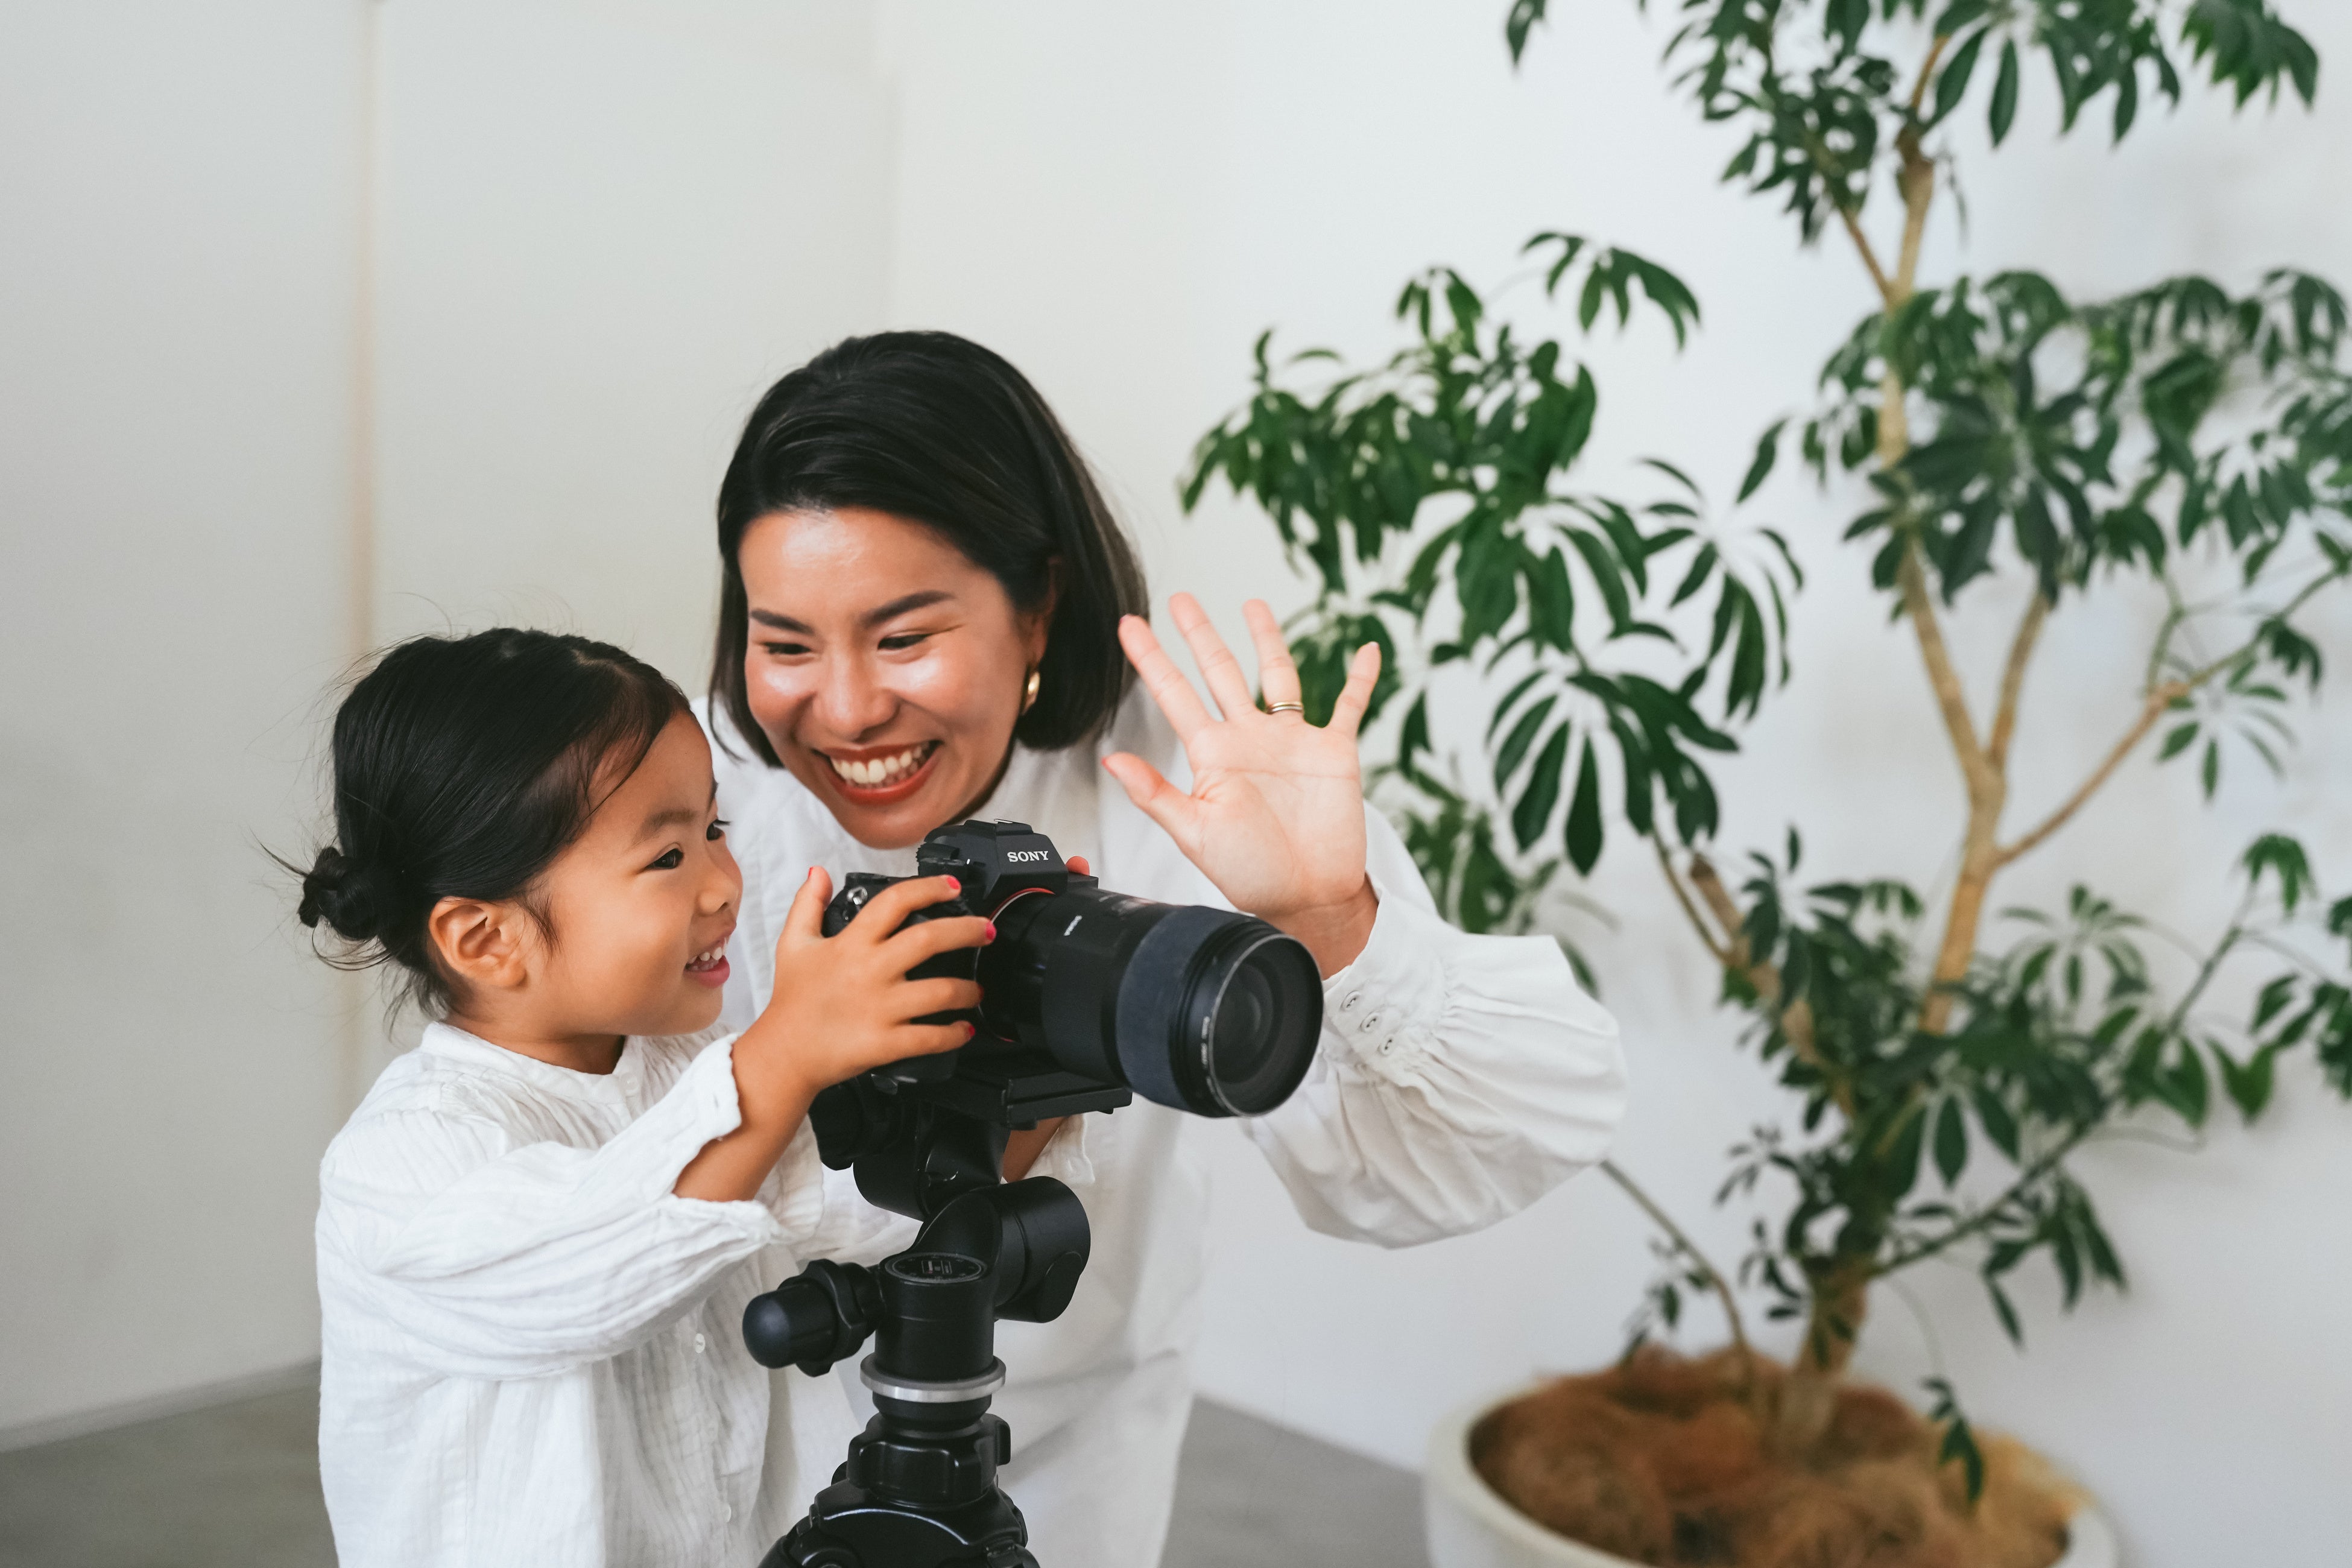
{"x": 841, "y": 1004}
{"x": 844, "y": 1003}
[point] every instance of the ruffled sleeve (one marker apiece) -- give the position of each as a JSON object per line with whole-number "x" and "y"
{"x": 1460, "y": 1078}
{"x": 494, "y": 1257}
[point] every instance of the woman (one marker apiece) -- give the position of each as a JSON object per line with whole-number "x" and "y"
{"x": 927, "y": 613}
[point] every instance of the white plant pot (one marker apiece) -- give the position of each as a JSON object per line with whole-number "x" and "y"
{"x": 1470, "y": 1526}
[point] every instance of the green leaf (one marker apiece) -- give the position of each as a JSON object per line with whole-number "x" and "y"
{"x": 1767, "y": 452}
{"x": 1998, "y": 1124}
{"x": 2007, "y": 1313}
{"x": 1487, "y": 583}
{"x": 1902, "y": 1167}
{"x": 2248, "y": 1084}
{"x": 1959, "y": 1443}
{"x": 2279, "y": 856}
{"x": 1953, "y": 84}
{"x": 1510, "y": 700}
{"x": 1607, "y": 575}
{"x": 1551, "y": 599}
{"x": 1695, "y": 579}
{"x": 1414, "y": 738}
{"x": 1524, "y": 15}
{"x": 1523, "y": 735}
{"x": 1951, "y": 1142}
{"x": 1583, "y": 827}
{"x": 1533, "y": 807}
{"x": 2004, "y": 93}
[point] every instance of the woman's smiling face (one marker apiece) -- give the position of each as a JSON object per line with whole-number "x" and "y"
{"x": 884, "y": 666}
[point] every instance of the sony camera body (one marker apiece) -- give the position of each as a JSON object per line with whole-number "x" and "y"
{"x": 1090, "y": 997}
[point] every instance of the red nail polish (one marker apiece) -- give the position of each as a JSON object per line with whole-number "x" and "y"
{"x": 992, "y": 931}
{"x": 969, "y": 1031}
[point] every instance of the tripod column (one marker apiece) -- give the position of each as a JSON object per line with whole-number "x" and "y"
{"x": 933, "y": 1444}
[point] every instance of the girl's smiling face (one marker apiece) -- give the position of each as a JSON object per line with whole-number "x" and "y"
{"x": 624, "y": 932}
{"x": 885, "y": 667}
{"x": 644, "y": 902}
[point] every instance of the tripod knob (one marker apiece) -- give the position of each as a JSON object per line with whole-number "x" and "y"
{"x": 818, "y": 1316}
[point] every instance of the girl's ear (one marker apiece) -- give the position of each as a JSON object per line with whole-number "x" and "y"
{"x": 482, "y": 946}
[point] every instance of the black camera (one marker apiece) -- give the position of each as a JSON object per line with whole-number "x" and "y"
{"x": 1086, "y": 999}
{"x": 1085, "y": 993}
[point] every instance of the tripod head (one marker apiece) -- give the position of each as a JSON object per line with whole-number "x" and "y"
{"x": 919, "y": 1489}
{"x": 919, "y": 1486}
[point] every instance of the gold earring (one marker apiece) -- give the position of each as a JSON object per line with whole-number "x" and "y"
{"x": 1029, "y": 692}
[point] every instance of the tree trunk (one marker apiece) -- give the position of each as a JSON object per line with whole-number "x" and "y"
{"x": 1808, "y": 1397}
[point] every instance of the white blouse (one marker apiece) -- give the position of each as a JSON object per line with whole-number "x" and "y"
{"x": 1459, "y": 1079}
{"x": 531, "y": 1351}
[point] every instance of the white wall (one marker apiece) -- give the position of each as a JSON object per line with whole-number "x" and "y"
{"x": 601, "y": 227}
{"x": 176, "y": 359}
{"x": 1119, "y": 198}
{"x": 604, "y": 229}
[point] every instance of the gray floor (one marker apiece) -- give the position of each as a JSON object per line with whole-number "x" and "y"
{"x": 237, "y": 1487}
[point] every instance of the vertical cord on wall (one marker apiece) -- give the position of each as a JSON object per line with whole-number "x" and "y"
{"x": 357, "y": 1031}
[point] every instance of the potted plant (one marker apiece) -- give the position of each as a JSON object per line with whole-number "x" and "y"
{"x": 1597, "y": 657}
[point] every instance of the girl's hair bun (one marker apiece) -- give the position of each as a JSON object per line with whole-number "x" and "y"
{"x": 463, "y": 767}
{"x": 346, "y": 895}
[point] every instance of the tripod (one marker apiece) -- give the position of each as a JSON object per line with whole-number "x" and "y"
{"x": 919, "y": 1489}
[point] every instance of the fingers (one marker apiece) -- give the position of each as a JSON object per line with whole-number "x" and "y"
{"x": 890, "y": 907}
{"x": 1363, "y": 674}
{"x": 1158, "y": 799}
{"x": 920, "y": 998}
{"x": 1277, "y": 677}
{"x": 1228, "y": 683}
{"x": 805, "y": 920}
{"x": 930, "y": 938}
{"x": 1078, "y": 863}
{"x": 1169, "y": 689}
{"x": 924, "y": 1039}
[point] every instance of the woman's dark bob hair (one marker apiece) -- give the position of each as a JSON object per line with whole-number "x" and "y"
{"x": 463, "y": 767}
{"x": 936, "y": 429}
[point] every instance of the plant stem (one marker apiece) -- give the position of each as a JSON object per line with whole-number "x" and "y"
{"x": 1689, "y": 1248}
{"x": 2033, "y": 1173}
{"x": 2159, "y": 698}
{"x": 2046, "y": 1162}
{"x": 1718, "y": 949}
{"x": 1763, "y": 976}
{"x": 2151, "y": 710}
{"x": 2012, "y": 680}
{"x": 1987, "y": 792}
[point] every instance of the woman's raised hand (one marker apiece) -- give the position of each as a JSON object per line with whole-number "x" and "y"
{"x": 1276, "y": 815}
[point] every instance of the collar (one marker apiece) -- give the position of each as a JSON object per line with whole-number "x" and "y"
{"x": 473, "y": 1054}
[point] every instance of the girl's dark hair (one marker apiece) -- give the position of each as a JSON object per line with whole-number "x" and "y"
{"x": 463, "y": 767}
{"x": 934, "y": 429}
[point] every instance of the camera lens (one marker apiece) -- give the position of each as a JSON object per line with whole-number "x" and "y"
{"x": 1254, "y": 1029}
{"x": 1202, "y": 1009}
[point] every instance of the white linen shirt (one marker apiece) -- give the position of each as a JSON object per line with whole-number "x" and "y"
{"x": 531, "y": 1351}
{"x": 1458, "y": 1080}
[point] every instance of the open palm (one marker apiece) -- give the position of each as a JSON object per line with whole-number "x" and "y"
{"x": 1276, "y": 815}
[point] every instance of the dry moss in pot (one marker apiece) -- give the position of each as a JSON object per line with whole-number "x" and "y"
{"x": 1672, "y": 1462}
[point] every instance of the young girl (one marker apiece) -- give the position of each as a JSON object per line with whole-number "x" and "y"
{"x": 538, "y": 1232}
